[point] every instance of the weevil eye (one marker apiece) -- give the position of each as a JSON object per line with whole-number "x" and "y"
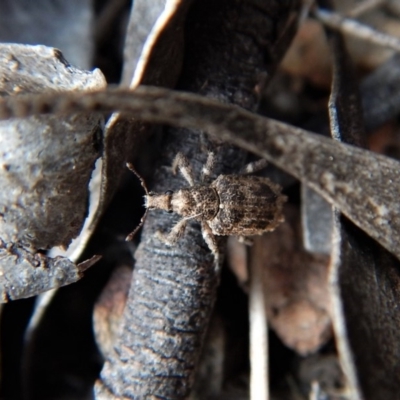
{"x": 169, "y": 192}
{"x": 169, "y": 211}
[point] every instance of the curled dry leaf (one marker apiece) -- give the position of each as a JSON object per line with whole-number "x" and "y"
{"x": 46, "y": 162}
{"x": 153, "y": 56}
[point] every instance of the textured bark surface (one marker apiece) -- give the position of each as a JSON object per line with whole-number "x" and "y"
{"x": 46, "y": 165}
{"x": 174, "y": 288}
{"x": 23, "y": 274}
{"x": 46, "y": 161}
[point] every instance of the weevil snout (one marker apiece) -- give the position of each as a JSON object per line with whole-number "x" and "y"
{"x": 159, "y": 201}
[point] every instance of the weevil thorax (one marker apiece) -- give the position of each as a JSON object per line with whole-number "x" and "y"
{"x": 200, "y": 202}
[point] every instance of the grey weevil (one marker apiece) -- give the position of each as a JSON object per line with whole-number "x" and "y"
{"x": 241, "y": 205}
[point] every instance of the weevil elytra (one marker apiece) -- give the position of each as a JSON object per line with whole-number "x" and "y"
{"x": 241, "y": 205}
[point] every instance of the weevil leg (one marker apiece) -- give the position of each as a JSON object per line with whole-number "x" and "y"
{"x": 254, "y": 167}
{"x": 182, "y": 163}
{"x": 208, "y": 167}
{"x": 176, "y": 233}
{"x": 209, "y": 238}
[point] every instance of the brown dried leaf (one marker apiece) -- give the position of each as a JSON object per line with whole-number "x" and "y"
{"x": 296, "y": 286}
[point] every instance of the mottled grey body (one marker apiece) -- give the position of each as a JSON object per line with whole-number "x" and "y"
{"x": 248, "y": 205}
{"x": 239, "y": 205}
{"x": 231, "y": 205}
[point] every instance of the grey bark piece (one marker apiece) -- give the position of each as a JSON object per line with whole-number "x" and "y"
{"x": 46, "y": 162}
{"x": 66, "y": 25}
{"x": 35, "y": 69}
{"x": 23, "y": 274}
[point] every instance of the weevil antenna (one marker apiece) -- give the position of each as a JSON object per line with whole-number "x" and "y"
{"x": 133, "y": 233}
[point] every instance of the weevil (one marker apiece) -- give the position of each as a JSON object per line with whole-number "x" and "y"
{"x": 241, "y": 205}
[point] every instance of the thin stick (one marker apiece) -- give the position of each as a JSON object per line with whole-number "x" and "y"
{"x": 365, "y": 6}
{"x": 344, "y": 175}
{"x": 133, "y": 233}
{"x": 357, "y": 29}
{"x": 315, "y": 391}
{"x": 259, "y": 384}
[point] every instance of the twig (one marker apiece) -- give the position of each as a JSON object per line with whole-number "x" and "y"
{"x": 365, "y": 6}
{"x": 315, "y": 391}
{"x": 259, "y": 382}
{"x": 357, "y": 29}
{"x": 346, "y": 176}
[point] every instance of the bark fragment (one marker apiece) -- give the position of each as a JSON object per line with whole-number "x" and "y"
{"x": 46, "y": 162}
{"x": 24, "y": 274}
